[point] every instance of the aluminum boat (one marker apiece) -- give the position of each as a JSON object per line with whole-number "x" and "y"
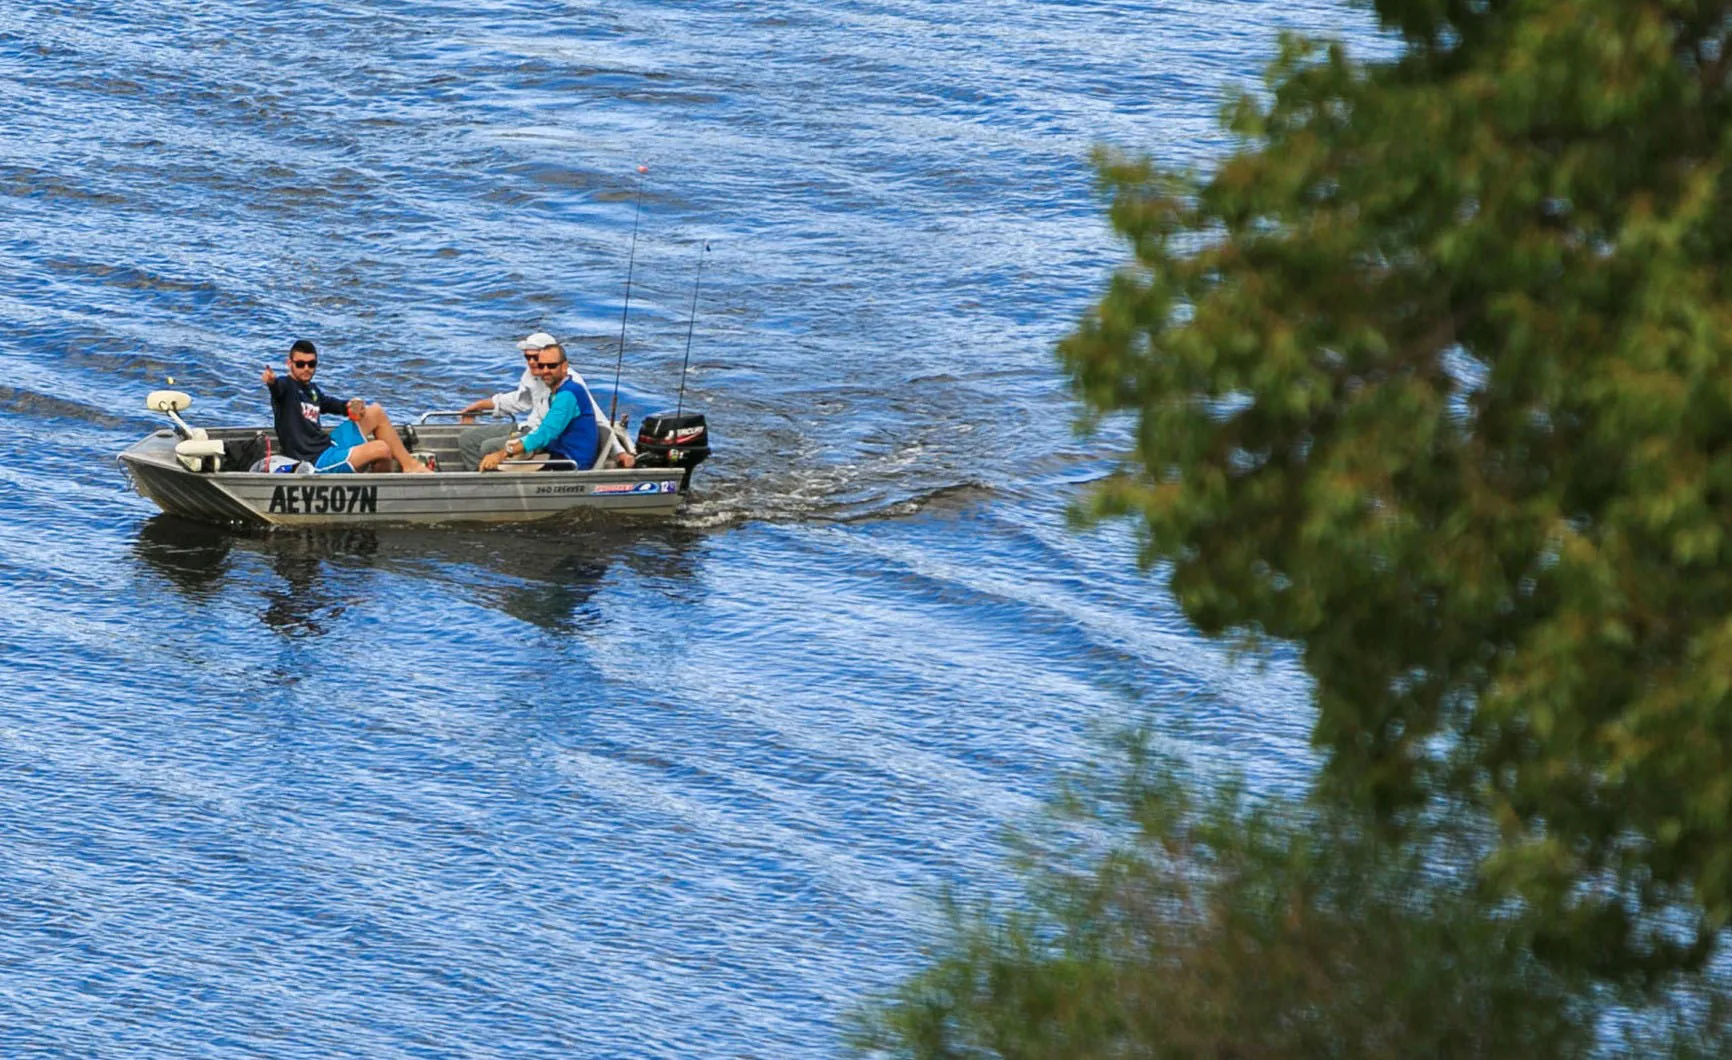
{"x": 182, "y": 470}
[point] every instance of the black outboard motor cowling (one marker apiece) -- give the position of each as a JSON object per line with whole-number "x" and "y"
{"x": 670, "y": 439}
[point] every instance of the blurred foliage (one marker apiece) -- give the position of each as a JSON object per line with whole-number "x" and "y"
{"x": 1431, "y": 376}
{"x": 1164, "y": 925}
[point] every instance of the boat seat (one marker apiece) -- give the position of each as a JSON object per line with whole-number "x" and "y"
{"x": 610, "y": 441}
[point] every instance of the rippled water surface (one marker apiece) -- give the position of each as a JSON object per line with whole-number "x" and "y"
{"x": 670, "y": 790}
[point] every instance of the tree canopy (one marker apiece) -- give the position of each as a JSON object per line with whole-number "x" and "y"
{"x": 1433, "y": 376}
{"x": 1222, "y": 927}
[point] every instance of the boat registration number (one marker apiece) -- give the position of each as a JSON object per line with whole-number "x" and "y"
{"x": 318, "y": 500}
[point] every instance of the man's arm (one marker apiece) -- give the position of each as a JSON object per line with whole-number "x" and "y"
{"x": 278, "y": 387}
{"x": 515, "y": 402}
{"x": 521, "y": 401}
{"x": 330, "y": 406}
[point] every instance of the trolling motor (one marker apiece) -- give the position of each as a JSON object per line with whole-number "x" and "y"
{"x": 196, "y": 450}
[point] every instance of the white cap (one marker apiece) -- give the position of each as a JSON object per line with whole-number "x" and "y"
{"x": 537, "y": 341}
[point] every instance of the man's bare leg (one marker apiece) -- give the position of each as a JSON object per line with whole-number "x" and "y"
{"x": 374, "y": 422}
{"x": 370, "y": 457}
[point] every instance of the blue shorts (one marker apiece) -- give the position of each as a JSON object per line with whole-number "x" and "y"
{"x": 335, "y": 460}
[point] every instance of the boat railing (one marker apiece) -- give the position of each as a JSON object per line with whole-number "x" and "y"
{"x": 492, "y": 414}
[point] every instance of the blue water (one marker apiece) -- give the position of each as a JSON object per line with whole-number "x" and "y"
{"x": 673, "y": 790}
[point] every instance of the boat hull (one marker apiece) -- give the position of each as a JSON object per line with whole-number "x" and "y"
{"x": 446, "y": 497}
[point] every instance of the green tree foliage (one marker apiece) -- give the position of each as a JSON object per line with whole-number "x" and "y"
{"x": 1221, "y": 929}
{"x": 1433, "y": 376}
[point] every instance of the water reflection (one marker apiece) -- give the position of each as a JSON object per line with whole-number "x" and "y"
{"x": 193, "y": 557}
{"x": 561, "y": 600}
{"x": 547, "y": 576}
{"x": 307, "y": 602}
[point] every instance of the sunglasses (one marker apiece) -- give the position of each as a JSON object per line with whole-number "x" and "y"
{"x": 548, "y": 364}
{"x": 314, "y": 363}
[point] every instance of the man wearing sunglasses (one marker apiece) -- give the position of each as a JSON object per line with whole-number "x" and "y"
{"x": 364, "y": 441}
{"x": 529, "y": 400}
{"x": 569, "y": 431}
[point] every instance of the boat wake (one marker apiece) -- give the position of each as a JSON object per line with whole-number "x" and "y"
{"x": 844, "y": 493}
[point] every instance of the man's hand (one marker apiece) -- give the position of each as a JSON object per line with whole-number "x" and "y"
{"x": 267, "y": 376}
{"x": 356, "y": 406}
{"x": 492, "y": 460}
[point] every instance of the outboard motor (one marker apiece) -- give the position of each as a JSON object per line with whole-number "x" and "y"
{"x": 673, "y": 439}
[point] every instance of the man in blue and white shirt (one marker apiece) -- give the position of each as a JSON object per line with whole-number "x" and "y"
{"x": 528, "y": 402}
{"x": 571, "y": 430}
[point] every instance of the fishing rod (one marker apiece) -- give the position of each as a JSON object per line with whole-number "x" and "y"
{"x": 690, "y": 325}
{"x": 631, "y": 260}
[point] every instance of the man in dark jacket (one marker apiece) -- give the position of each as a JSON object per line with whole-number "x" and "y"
{"x": 365, "y": 441}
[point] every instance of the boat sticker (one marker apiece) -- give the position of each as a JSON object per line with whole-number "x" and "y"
{"x": 638, "y": 487}
{"x": 318, "y": 500}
